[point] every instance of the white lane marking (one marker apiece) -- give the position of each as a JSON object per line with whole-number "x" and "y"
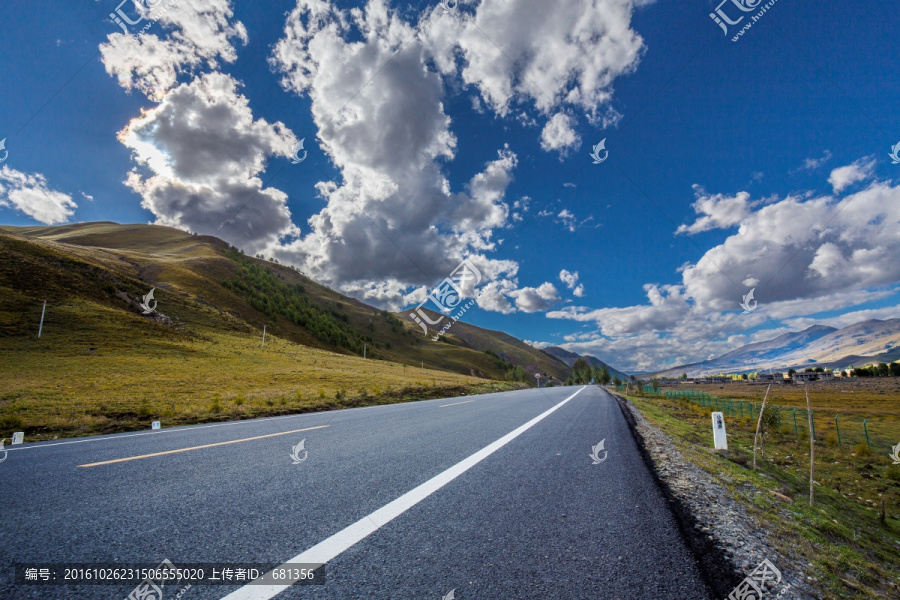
{"x": 455, "y": 403}
{"x": 184, "y": 428}
{"x": 162, "y": 431}
{"x": 329, "y": 548}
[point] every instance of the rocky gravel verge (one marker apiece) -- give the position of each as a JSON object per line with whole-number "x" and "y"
{"x": 728, "y": 542}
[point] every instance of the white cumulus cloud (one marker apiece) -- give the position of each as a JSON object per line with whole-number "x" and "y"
{"x": 30, "y": 194}
{"x": 558, "y": 134}
{"x": 843, "y": 177}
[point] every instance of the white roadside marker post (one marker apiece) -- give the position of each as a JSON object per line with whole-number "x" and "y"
{"x": 720, "y": 439}
{"x": 43, "y": 311}
{"x": 264, "y": 336}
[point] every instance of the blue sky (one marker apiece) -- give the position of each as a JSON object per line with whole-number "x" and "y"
{"x": 433, "y": 136}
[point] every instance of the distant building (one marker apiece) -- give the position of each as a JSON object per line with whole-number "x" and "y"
{"x": 709, "y": 380}
{"x": 806, "y": 377}
{"x": 771, "y": 377}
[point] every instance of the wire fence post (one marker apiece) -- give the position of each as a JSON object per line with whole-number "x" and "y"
{"x": 812, "y": 425}
{"x": 866, "y": 429}
{"x": 795, "y": 421}
{"x": 837, "y": 428}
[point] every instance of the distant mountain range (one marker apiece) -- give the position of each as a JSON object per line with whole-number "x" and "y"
{"x": 570, "y": 357}
{"x": 820, "y": 346}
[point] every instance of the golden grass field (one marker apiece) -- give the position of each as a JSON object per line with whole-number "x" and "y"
{"x": 91, "y": 380}
{"x": 853, "y": 400}
{"x": 853, "y": 553}
{"x": 102, "y": 366}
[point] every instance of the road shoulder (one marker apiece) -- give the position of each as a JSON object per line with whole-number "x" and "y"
{"x": 726, "y": 540}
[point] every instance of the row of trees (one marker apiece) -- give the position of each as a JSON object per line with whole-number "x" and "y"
{"x": 881, "y": 370}
{"x": 583, "y": 373}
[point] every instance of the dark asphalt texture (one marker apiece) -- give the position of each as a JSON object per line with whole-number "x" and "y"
{"x": 536, "y": 519}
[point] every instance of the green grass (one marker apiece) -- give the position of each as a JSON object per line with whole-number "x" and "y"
{"x": 53, "y": 387}
{"x": 109, "y": 264}
{"x": 854, "y": 555}
{"x": 101, "y": 366}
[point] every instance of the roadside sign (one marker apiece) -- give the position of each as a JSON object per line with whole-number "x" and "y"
{"x": 18, "y": 437}
{"x": 719, "y": 437}
{"x": 155, "y": 425}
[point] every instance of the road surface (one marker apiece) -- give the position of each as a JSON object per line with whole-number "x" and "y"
{"x": 488, "y": 497}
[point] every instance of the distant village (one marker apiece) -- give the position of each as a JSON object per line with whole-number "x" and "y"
{"x": 792, "y": 376}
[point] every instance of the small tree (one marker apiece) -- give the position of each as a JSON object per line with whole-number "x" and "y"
{"x": 605, "y": 377}
{"x": 683, "y": 377}
{"x": 616, "y": 381}
{"x": 655, "y": 383}
{"x": 581, "y": 371}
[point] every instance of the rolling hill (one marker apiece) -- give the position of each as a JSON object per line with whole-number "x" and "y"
{"x": 200, "y": 281}
{"x": 102, "y": 365}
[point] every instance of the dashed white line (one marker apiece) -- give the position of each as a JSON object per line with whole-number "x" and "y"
{"x": 455, "y": 403}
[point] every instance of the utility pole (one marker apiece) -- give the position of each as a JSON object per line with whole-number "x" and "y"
{"x": 43, "y": 310}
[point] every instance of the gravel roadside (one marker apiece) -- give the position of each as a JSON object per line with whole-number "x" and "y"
{"x": 728, "y": 542}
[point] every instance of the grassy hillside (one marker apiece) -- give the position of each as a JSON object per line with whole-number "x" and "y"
{"x": 198, "y": 275}
{"x": 102, "y": 365}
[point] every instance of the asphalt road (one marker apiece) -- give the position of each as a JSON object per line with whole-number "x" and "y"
{"x": 489, "y": 497}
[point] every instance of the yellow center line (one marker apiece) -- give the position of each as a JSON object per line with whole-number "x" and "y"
{"x": 258, "y": 437}
{"x": 455, "y": 403}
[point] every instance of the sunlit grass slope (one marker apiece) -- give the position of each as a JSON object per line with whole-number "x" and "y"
{"x": 101, "y": 365}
